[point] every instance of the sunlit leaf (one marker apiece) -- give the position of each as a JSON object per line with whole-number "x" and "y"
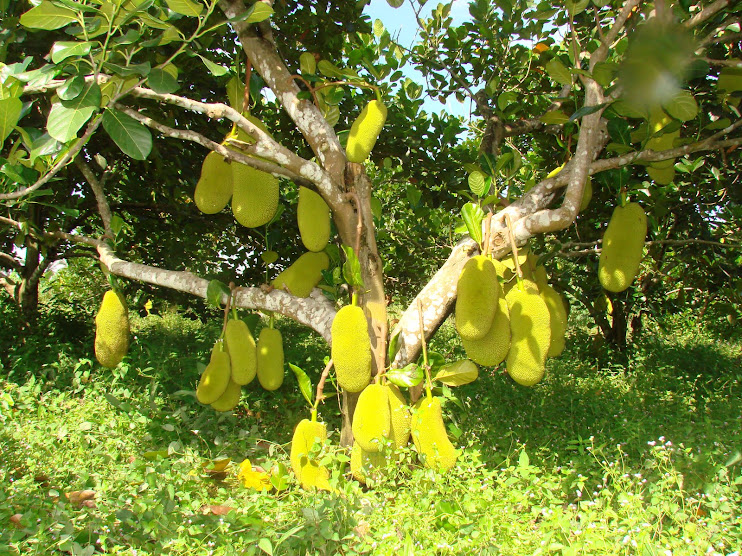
{"x": 457, "y": 373}
{"x": 61, "y": 50}
{"x": 473, "y": 216}
{"x": 407, "y": 377}
{"x": 10, "y": 113}
{"x": 305, "y": 384}
{"x": 47, "y": 16}
{"x": 558, "y": 72}
{"x": 185, "y": 7}
{"x": 215, "y": 291}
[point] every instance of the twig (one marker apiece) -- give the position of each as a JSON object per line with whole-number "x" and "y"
{"x": 320, "y": 396}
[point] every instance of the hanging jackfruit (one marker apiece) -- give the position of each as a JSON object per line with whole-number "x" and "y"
{"x": 492, "y": 349}
{"x": 111, "y": 329}
{"x": 270, "y": 358}
{"x": 214, "y": 187}
{"x": 306, "y": 434}
{"x": 215, "y": 378}
{"x": 430, "y": 437}
{"x": 242, "y": 351}
{"x": 314, "y": 475}
{"x": 400, "y": 416}
{"x": 557, "y": 319}
{"x": 530, "y": 334}
{"x": 255, "y": 196}
{"x": 313, "y": 216}
{"x": 366, "y": 465}
{"x": 365, "y": 131}
{"x": 623, "y": 247}
{"x": 372, "y": 418}
{"x": 303, "y": 275}
{"x": 229, "y": 399}
{"x": 476, "y": 299}
{"x": 351, "y": 348}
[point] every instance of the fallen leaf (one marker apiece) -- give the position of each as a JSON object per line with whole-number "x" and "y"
{"x": 80, "y": 496}
{"x": 15, "y": 519}
{"x": 215, "y": 510}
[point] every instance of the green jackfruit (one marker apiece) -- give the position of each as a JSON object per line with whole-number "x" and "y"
{"x": 372, "y": 420}
{"x": 530, "y": 334}
{"x": 214, "y": 187}
{"x": 477, "y": 294}
{"x": 255, "y": 196}
{"x": 557, "y": 319}
{"x": 540, "y": 277}
{"x": 658, "y": 120}
{"x": 430, "y": 437}
{"x": 111, "y": 329}
{"x": 314, "y": 475}
{"x": 662, "y": 176}
{"x": 313, "y": 216}
{"x": 303, "y": 275}
{"x": 492, "y": 349}
{"x": 270, "y": 358}
{"x": 242, "y": 351}
{"x": 365, "y": 131}
{"x": 623, "y": 247}
{"x": 366, "y": 465}
{"x": 399, "y": 413}
{"x": 306, "y": 434}
{"x": 215, "y": 378}
{"x": 229, "y": 399}
{"x": 351, "y": 348}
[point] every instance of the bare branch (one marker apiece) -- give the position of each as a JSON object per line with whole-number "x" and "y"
{"x": 705, "y": 13}
{"x": 97, "y": 186}
{"x": 9, "y": 261}
{"x": 599, "y": 55}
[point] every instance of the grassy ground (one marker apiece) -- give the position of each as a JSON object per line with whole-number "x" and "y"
{"x": 631, "y": 455}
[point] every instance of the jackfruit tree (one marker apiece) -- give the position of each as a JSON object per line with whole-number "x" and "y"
{"x": 262, "y": 106}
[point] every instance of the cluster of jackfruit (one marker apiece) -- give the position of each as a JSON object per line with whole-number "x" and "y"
{"x": 112, "y": 329}
{"x": 623, "y": 247}
{"x": 521, "y": 321}
{"x": 307, "y": 468}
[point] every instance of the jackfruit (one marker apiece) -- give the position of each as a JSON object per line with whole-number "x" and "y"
{"x": 229, "y": 399}
{"x": 658, "y": 120}
{"x": 270, "y": 358}
{"x": 306, "y": 434}
{"x": 215, "y": 378}
{"x": 661, "y": 176}
{"x": 255, "y": 196}
{"x": 372, "y": 418}
{"x": 540, "y": 277}
{"x": 557, "y": 319}
{"x": 430, "y": 437}
{"x": 214, "y": 187}
{"x": 366, "y": 465}
{"x": 476, "y": 299}
{"x": 303, "y": 275}
{"x": 365, "y": 131}
{"x": 111, "y": 329}
{"x": 623, "y": 247}
{"x": 400, "y": 416}
{"x": 351, "y": 348}
{"x": 313, "y": 216}
{"x": 492, "y": 349}
{"x": 242, "y": 351}
{"x": 530, "y": 334}
{"x": 314, "y": 475}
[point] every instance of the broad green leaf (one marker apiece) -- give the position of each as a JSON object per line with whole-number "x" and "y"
{"x": 89, "y": 98}
{"x": 10, "y": 113}
{"x": 604, "y": 72}
{"x": 328, "y": 69}
{"x": 585, "y": 110}
{"x": 235, "y": 92}
{"x": 473, "y": 216}
{"x": 506, "y": 99}
{"x": 523, "y": 459}
{"x": 162, "y": 81}
{"x": 435, "y": 361}
{"x": 63, "y": 123}
{"x": 458, "y": 373}
{"x": 305, "y": 384}
{"x": 265, "y": 545}
{"x": 558, "y": 72}
{"x": 409, "y": 376}
{"x": 395, "y": 3}
{"x": 215, "y": 69}
{"x": 352, "y": 268}
{"x": 393, "y": 346}
{"x": 477, "y": 183}
{"x": 730, "y": 80}
{"x": 61, "y": 50}
{"x": 269, "y": 257}
{"x": 259, "y": 11}
{"x": 185, "y": 7}
{"x": 682, "y": 106}
{"x": 47, "y": 16}
{"x": 412, "y": 89}
{"x": 307, "y": 63}
{"x": 215, "y": 291}
{"x": 71, "y": 88}
{"x": 554, "y": 117}
{"x": 576, "y": 7}
{"x": 131, "y": 136}
{"x": 378, "y": 28}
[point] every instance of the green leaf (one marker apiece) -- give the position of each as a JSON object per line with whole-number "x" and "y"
{"x": 554, "y": 117}
{"x": 457, "y": 373}
{"x": 269, "y": 257}
{"x": 523, "y": 459}
{"x": 352, "y": 268}
{"x": 307, "y": 63}
{"x": 235, "y": 92}
{"x": 730, "y": 79}
{"x": 162, "y": 81}
{"x": 585, "y": 110}
{"x": 604, "y": 72}
{"x": 47, "y": 16}
{"x": 305, "y": 384}
{"x": 395, "y": 3}
{"x": 477, "y": 183}
{"x": 328, "y": 69}
{"x": 117, "y": 223}
{"x": 393, "y": 346}
{"x": 409, "y": 376}
{"x": 558, "y": 72}
{"x": 265, "y": 545}
{"x": 435, "y": 361}
{"x": 61, "y": 50}
{"x": 10, "y": 113}
{"x": 682, "y": 106}
{"x": 215, "y": 69}
{"x": 185, "y": 7}
{"x": 280, "y": 477}
{"x": 473, "y": 216}
{"x": 131, "y": 136}
{"x": 215, "y": 292}
{"x": 506, "y": 99}
{"x": 71, "y": 88}
{"x": 258, "y": 12}
{"x": 576, "y": 7}
{"x": 63, "y": 123}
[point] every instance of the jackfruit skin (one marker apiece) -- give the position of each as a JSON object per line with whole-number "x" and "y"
{"x": 351, "y": 348}
{"x": 623, "y": 247}
{"x": 492, "y": 349}
{"x": 215, "y": 378}
{"x": 366, "y": 465}
{"x": 365, "y": 131}
{"x": 229, "y": 399}
{"x": 540, "y": 277}
{"x": 313, "y": 216}
{"x": 430, "y": 436}
{"x": 314, "y": 475}
{"x": 477, "y": 294}
{"x": 658, "y": 119}
{"x": 255, "y": 195}
{"x": 242, "y": 350}
{"x": 270, "y": 359}
{"x": 306, "y": 434}
{"x": 400, "y": 416}
{"x": 112, "y": 330}
{"x": 557, "y": 319}
{"x": 372, "y": 421}
{"x": 215, "y": 186}
{"x": 303, "y": 275}
{"x": 530, "y": 334}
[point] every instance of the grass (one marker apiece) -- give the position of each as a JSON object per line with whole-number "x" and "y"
{"x": 640, "y": 457}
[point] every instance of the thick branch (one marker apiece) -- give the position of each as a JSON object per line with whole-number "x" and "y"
{"x": 100, "y": 198}
{"x": 9, "y": 261}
